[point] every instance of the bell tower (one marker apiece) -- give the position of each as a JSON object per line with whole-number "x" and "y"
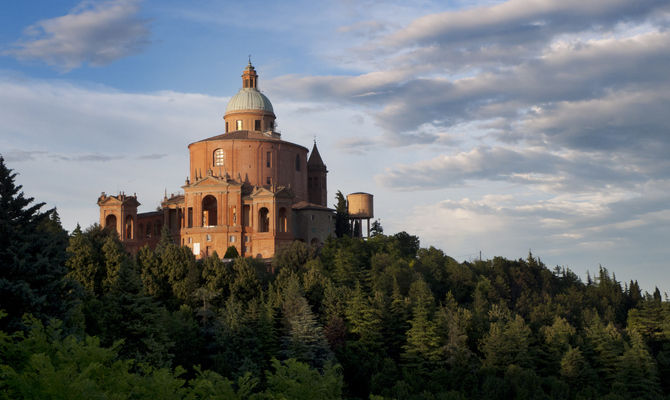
{"x": 317, "y": 188}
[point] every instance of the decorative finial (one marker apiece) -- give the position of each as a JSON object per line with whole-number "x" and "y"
{"x": 249, "y": 59}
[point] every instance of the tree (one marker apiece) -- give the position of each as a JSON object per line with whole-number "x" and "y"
{"x": 32, "y": 257}
{"x": 342, "y": 227}
{"x": 231, "y": 252}
{"x": 86, "y": 261}
{"x": 292, "y": 379}
{"x": 135, "y": 318}
{"x": 507, "y": 342}
{"x": 304, "y": 339}
{"x": 408, "y": 244}
{"x": 376, "y": 229}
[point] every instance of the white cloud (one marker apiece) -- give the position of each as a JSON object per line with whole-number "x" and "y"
{"x": 94, "y": 33}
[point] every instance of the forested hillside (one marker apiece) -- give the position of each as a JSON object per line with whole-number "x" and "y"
{"x": 375, "y": 319}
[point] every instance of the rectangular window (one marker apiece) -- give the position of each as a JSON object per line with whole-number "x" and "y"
{"x": 268, "y": 159}
{"x": 246, "y": 238}
{"x": 232, "y": 239}
{"x": 238, "y": 124}
{"x": 257, "y": 125}
{"x": 226, "y": 127}
{"x": 209, "y": 237}
{"x": 190, "y": 217}
{"x": 269, "y": 181}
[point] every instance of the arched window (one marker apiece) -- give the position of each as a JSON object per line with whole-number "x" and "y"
{"x": 209, "y": 211}
{"x": 110, "y": 222}
{"x": 129, "y": 227}
{"x": 219, "y": 157}
{"x": 297, "y": 162}
{"x": 282, "y": 221}
{"x": 263, "y": 220}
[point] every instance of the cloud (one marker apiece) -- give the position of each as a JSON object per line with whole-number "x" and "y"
{"x": 153, "y": 156}
{"x": 93, "y": 33}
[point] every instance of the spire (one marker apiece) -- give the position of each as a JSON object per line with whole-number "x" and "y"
{"x": 315, "y": 161}
{"x": 249, "y": 76}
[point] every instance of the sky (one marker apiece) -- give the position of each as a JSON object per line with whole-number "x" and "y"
{"x": 499, "y": 127}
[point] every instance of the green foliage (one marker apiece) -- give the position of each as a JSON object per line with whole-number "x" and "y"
{"x": 297, "y": 381}
{"x": 32, "y": 257}
{"x": 342, "y": 227}
{"x": 231, "y": 252}
{"x": 376, "y": 318}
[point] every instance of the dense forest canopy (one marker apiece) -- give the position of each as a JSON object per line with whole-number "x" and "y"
{"x": 362, "y": 319}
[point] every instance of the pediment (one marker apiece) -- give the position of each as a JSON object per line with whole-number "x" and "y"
{"x": 119, "y": 200}
{"x": 213, "y": 181}
{"x": 280, "y": 192}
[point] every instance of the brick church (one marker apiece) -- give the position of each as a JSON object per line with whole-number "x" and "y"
{"x": 247, "y": 188}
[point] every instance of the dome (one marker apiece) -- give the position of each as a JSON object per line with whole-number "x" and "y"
{"x": 249, "y": 99}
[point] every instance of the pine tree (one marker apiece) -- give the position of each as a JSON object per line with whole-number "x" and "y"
{"x": 32, "y": 257}
{"x": 135, "y": 318}
{"x": 423, "y": 343}
{"x": 365, "y": 319}
{"x": 636, "y": 376}
{"x": 342, "y": 227}
{"x": 304, "y": 339}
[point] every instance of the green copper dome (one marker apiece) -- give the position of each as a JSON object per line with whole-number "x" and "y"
{"x": 249, "y": 99}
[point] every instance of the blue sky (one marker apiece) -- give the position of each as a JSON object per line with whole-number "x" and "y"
{"x": 492, "y": 126}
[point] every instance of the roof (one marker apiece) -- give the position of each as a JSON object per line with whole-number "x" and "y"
{"x": 304, "y": 205}
{"x": 243, "y": 135}
{"x": 249, "y": 99}
{"x": 315, "y": 158}
{"x": 251, "y": 135}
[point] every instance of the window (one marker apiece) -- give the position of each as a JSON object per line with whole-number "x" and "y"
{"x": 268, "y": 159}
{"x": 263, "y": 220}
{"x": 190, "y": 240}
{"x": 272, "y": 124}
{"x": 282, "y": 221}
{"x": 238, "y": 124}
{"x": 257, "y": 125}
{"x": 219, "y": 157}
{"x": 209, "y": 237}
{"x": 226, "y": 127}
{"x": 297, "y": 162}
{"x": 246, "y": 238}
{"x": 269, "y": 181}
{"x": 209, "y": 213}
{"x": 129, "y": 227}
{"x": 232, "y": 239}
{"x": 190, "y": 217}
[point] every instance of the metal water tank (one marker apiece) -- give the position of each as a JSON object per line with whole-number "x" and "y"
{"x": 360, "y": 205}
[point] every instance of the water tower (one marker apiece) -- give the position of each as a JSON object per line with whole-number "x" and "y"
{"x": 360, "y": 207}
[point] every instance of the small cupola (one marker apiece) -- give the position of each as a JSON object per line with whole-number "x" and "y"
{"x": 249, "y": 77}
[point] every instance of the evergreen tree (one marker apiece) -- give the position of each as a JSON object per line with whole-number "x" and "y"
{"x": 636, "y": 376}
{"x": 32, "y": 257}
{"x": 154, "y": 274}
{"x": 365, "y": 319}
{"x": 304, "y": 339}
{"x": 134, "y": 318}
{"x": 342, "y": 227}
{"x": 423, "y": 342}
{"x": 376, "y": 229}
{"x": 231, "y": 252}
{"x": 86, "y": 261}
